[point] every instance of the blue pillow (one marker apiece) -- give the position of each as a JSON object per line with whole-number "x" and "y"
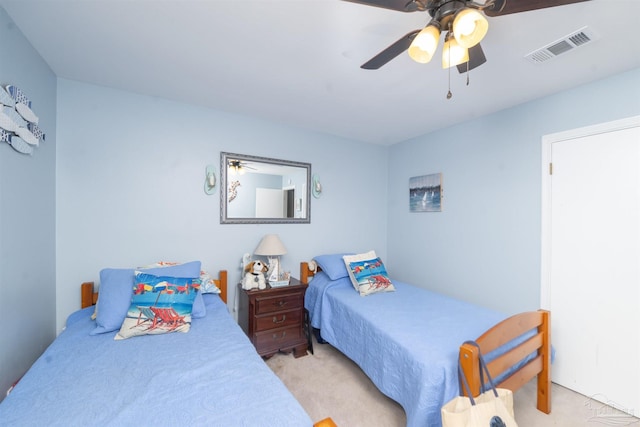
{"x": 116, "y": 290}
{"x": 333, "y": 265}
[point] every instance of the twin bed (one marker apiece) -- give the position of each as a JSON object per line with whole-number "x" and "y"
{"x": 408, "y": 341}
{"x": 209, "y": 376}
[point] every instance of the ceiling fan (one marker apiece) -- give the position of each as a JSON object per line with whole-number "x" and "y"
{"x": 463, "y": 23}
{"x": 238, "y": 167}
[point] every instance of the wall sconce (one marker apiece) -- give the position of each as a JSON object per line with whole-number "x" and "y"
{"x": 209, "y": 180}
{"x": 316, "y": 187}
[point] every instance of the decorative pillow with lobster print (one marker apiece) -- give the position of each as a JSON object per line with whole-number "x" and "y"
{"x": 368, "y": 273}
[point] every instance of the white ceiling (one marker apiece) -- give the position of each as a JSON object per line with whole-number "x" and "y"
{"x": 297, "y": 62}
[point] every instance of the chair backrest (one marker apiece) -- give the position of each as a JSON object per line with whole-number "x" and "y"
{"x": 167, "y": 314}
{"x": 148, "y": 313}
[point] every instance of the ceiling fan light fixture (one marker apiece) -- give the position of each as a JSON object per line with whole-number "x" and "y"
{"x": 235, "y": 168}
{"x": 453, "y": 54}
{"x": 424, "y": 45}
{"x": 469, "y": 27}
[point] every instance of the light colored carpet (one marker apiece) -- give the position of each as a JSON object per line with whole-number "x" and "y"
{"x": 328, "y": 384}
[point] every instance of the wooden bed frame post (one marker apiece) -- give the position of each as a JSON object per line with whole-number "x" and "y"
{"x": 470, "y": 364}
{"x": 222, "y": 277}
{"x": 304, "y": 273}
{"x": 87, "y": 296}
{"x": 544, "y": 377}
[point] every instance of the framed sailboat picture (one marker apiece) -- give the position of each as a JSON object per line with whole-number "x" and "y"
{"x": 425, "y": 193}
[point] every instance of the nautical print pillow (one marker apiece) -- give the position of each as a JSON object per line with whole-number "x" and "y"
{"x": 368, "y": 273}
{"x": 207, "y": 283}
{"x": 159, "y": 305}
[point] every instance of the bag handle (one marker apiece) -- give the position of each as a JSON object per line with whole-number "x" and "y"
{"x": 466, "y": 385}
{"x": 483, "y": 369}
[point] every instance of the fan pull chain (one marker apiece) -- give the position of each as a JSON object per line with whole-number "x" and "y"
{"x": 449, "y": 94}
{"x": 468, "y": 71}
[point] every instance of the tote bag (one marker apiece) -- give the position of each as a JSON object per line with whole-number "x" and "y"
{"x": 492, "y": 408}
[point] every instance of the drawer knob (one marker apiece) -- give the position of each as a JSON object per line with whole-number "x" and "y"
{"x": 276, "y": 337}
{"x": 275, "y": 319}
{"x": 280, "y": 303}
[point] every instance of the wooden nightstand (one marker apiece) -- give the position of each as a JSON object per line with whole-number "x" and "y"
{"x": 274, "y": 318}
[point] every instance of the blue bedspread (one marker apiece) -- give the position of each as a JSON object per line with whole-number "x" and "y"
{"x": 407, "y": 341}
{"x": 210, "y": 376}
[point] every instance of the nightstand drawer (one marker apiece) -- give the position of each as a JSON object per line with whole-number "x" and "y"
{"x": 277, "y": 337}
{"x": 278, "y": 303}
{"x": 279, "y": 320}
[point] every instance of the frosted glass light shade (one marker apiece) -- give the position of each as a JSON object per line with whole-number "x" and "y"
{"x": 453, "y": 54}
{"x": 424, "y": 45}
{"x": 235, "y": 168}
{"x": 469, "y": 27}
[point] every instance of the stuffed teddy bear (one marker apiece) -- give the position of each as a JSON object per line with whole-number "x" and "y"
{"x": 254, "y": 275}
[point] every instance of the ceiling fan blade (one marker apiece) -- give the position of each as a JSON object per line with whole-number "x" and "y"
{"x": 506, "y": 7}
{"x": 476, "y": 59}
{"x": 391, "y": 52}
{"x": 399, "y": 5}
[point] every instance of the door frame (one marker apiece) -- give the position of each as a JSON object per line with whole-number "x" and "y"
{"x": 547, "y": 141}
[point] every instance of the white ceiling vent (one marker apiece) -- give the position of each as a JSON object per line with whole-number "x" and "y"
{"x": 569, "y": 42}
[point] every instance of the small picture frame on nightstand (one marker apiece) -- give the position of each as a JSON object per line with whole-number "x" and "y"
{"x": 279, "y": 283}
{"x": 283, "y": 280}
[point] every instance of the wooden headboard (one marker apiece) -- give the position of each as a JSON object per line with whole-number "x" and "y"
{"x": 88, "y": 296}
{"x": 305, "y": 273}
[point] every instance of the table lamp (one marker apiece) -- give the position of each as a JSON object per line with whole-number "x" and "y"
{"x": 271, "y": 247}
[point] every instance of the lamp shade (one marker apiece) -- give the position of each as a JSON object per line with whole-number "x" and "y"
{"x": 469, "y": 27}
{"x": 270, "y": 245}
{"x": 453, "y": 54}
{"x": 424, "y": 44}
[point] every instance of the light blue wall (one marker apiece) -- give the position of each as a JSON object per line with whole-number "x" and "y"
{"x": 27, "y": 216}
{"x": 485, "y": 245}
{"x": 131, "y": 171}
{"x": 127, "y": 189}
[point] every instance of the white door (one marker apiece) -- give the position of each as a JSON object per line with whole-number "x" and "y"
{"x": 591, "y": 262}
{"x": 269, "y": 203}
